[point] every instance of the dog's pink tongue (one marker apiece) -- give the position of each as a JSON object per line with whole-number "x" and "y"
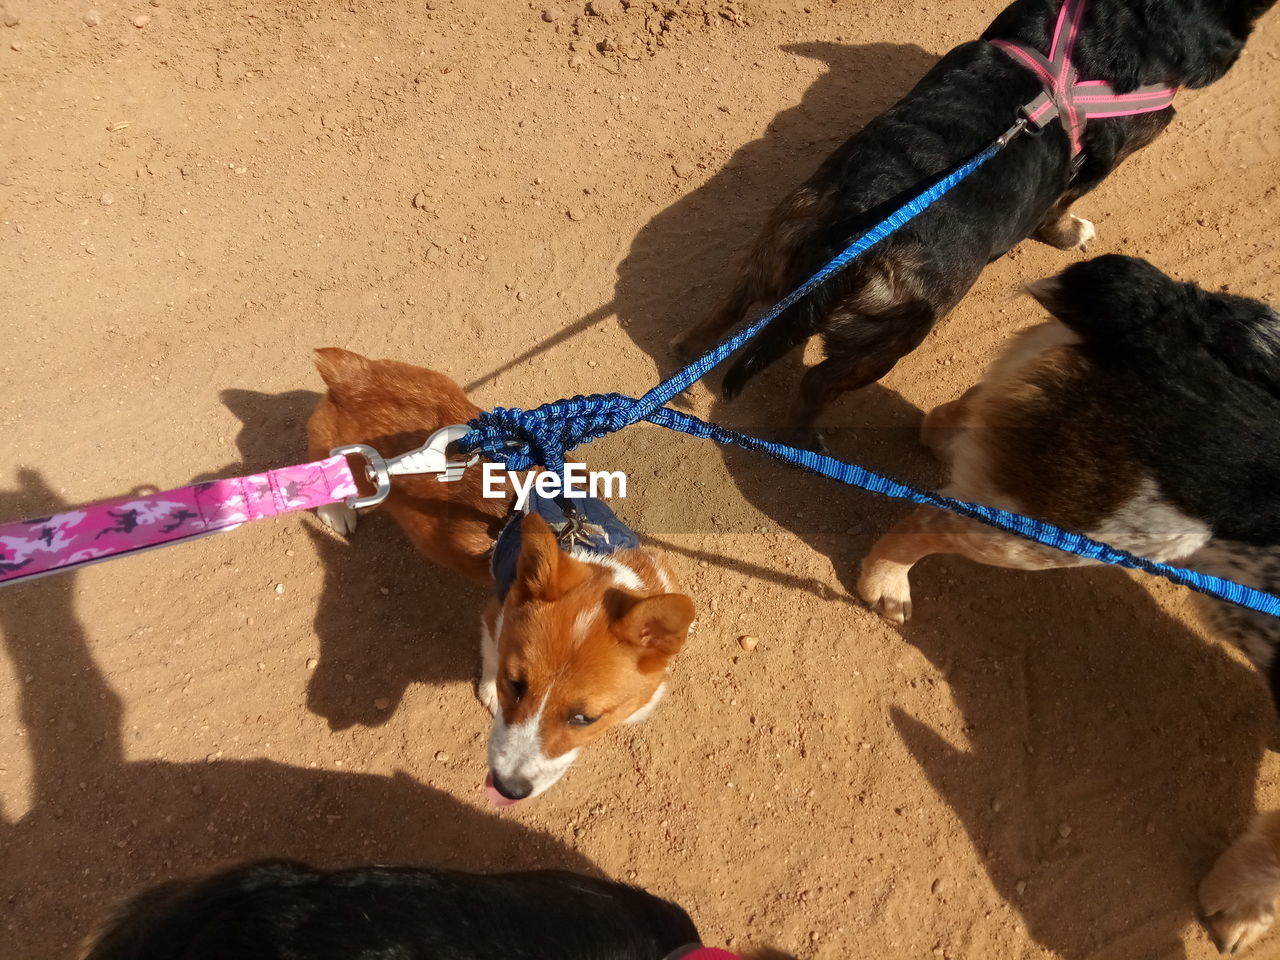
{"x": 497, "y": 799}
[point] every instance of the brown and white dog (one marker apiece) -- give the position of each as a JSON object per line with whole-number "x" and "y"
{"x": 580, "y": 640}
{"x": 1146, "y": 415}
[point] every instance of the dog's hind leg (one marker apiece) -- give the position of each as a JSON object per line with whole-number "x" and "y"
{"x": 861, "y": 348}
{"x": 487, "y": 688}
{"x": 713, "y": 328}
{"x": 338, "y": 517}
{"x": 782, "y": 257}
{"x": 1238, "y": 896}
{"x": 944, "y": 422}
{"x": 885, "y": 583}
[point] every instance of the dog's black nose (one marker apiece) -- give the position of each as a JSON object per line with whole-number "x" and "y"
{"x": 514, "y": 788}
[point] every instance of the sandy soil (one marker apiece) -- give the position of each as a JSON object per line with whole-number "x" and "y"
{"x": 1040, "y": 765}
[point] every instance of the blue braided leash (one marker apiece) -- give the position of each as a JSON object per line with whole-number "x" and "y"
{"x": 523, "y": 439}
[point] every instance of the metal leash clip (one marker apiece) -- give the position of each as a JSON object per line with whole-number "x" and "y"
{"x": 1022, "y": 126}
{"x": 431, "y": 457}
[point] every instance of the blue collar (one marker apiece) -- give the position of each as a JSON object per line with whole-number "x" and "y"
{"x": 587, "y": 526}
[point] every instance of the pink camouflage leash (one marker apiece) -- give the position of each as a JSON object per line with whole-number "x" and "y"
{"x": 34, "y": 548}
{"x": 1067, "y": 96}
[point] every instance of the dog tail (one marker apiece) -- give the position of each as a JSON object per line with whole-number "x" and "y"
{"x": 162, "y": 923}
{"x": 787, "y": 331}
{"x": 144, "y": 928}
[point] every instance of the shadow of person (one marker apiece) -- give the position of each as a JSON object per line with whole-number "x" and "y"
{"x": 1102, "y": 756}
{"x": 100, "y": 826}
{"x": 419, "y": 630}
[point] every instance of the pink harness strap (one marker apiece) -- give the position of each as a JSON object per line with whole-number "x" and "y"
{"x": 32, "y": 548}
{"x": 1068, "y": 97}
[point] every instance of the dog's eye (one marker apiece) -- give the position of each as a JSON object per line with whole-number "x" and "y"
{"x": 518, "y": 688}
{"x": 581, "y": 720}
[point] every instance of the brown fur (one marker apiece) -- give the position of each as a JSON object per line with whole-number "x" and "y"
{"x": 578, "y": 642}
{"x": 1044, "y": 431}
{"x": 581, "y": 645}
{"x": 1030, "y": 439}
{"x": 394, "y": 407}
{"x": 1027, "y": 439}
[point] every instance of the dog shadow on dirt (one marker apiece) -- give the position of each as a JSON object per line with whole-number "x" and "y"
{"x": 685, "y": 258}
{"x": 1108, "y": 753}
{"x": 101, "y": 826}
{"x": 386, "y": 618}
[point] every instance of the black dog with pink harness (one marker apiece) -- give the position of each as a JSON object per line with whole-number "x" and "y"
{"x": 1107, "y": 69}
{"x": 1068, "y": 97}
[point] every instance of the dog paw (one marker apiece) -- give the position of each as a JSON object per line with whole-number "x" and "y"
{"x": 1241, "y": 923}
{"x": 1084, "y": 232}
{"x": 807, "y": 438}
{"x": 1238, "y": 896}
{"x": 487, "y": 693}
{"x": 682, "y": 347}
{"x": 886, "y": 588}
{"x": 338, "y": 517}
{"x": 1069, "y": 233}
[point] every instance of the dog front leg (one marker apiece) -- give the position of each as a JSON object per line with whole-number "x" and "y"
{"x": 487, "y": 689}
{"x": 1064, "y": 230}
{"x": 1238, "y": 896}
{"x": 885, "y": 584}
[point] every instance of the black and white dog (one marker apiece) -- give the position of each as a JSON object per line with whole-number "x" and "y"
{"x": 1146, "y": 414}
{"x": 283, "y": 910}
{"x": 883, "y": 306}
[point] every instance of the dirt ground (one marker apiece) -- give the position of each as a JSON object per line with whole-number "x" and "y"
{"x": 1040, "y": 765}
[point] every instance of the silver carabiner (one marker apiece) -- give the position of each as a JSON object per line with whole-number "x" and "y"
{"x": 431, "y": 457}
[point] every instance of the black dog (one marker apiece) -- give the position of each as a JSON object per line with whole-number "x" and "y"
{"x": 282, "y": 910}
{"x": 883, "y": 306}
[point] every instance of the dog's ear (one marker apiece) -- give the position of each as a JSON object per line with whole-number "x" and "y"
{"x": 659, "y": 624}
{"x": 1047, "y": 293}
{"x": 342, "y": 371}
{"x": 543, "y": 570}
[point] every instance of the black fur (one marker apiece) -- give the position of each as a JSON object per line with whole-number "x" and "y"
{"x": 884, "y": 305}
{"x": 1198, "y": 374}
{"x": 282, "y": 910}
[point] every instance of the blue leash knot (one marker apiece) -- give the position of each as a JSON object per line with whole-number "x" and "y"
{"x": 523, "y": 439}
